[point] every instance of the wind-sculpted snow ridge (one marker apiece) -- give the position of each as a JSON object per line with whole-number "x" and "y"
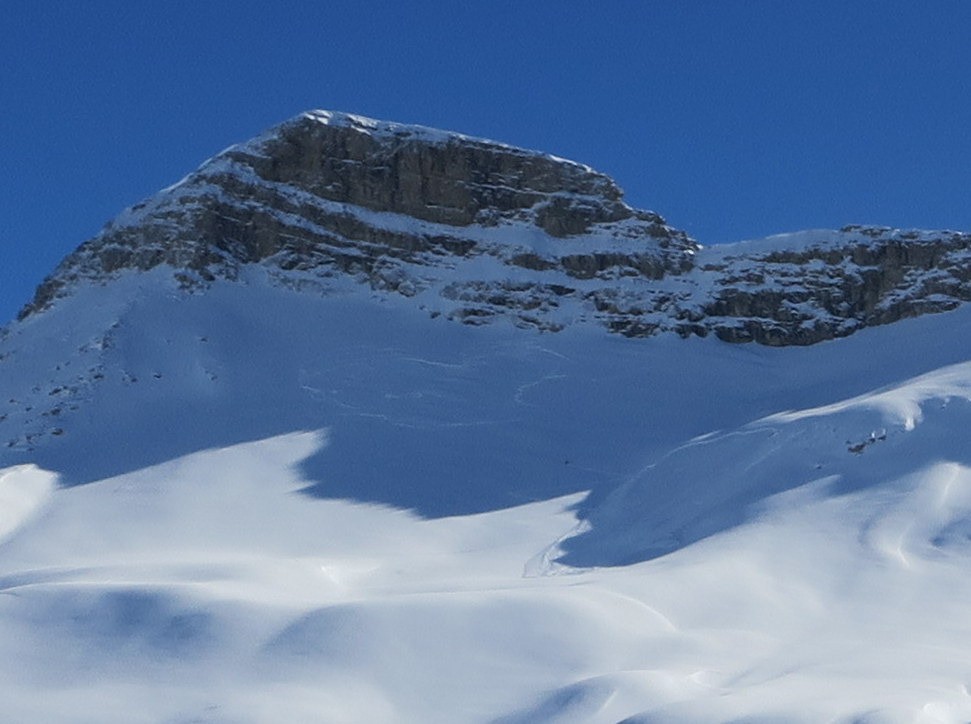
{"x": 480, "y": 231}
{"x": 886, "y": 439}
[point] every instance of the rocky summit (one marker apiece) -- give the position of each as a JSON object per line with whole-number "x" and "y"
{"x": 480, "y": 231}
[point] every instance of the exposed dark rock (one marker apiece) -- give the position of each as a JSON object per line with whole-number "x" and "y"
{"x": 807, "y": 295}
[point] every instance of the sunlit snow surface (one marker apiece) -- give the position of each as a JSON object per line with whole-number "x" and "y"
{"x": 258, "y": 505}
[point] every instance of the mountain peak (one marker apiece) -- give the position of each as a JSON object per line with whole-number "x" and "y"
{"x": 391, "y": 129}
{"x": 434, "y": 175}
{"x": 479, "y": 231}
{"x": 340, "y": 193}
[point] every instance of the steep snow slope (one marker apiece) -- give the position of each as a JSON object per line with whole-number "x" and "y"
{"x": 256, "y": 505}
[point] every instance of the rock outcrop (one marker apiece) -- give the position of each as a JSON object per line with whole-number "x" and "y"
{"x": 820, "y": 285}
{"x": 480, "y": 231}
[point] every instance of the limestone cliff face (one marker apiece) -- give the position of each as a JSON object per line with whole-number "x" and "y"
{"x": 820, "y": 285}
{"x": 441, "y": 178}
{"x": 482, "y": 231}
{"x": 379, "y": 201}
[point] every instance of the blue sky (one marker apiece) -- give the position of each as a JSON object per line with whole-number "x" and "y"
{"x": 732, "y": 119}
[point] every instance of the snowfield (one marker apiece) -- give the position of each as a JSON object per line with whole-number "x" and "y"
{"x": 255, "y": 504}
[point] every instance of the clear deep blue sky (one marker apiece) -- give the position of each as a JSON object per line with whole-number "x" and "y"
{"x": 732, "y": 119}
